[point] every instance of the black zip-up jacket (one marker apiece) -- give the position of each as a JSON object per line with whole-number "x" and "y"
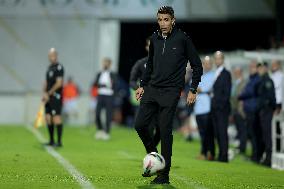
{"x": 167, "y": 61}
{"x": 266, "y": 93}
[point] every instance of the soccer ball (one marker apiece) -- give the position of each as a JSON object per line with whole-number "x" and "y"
{"x": 153, "y": 163}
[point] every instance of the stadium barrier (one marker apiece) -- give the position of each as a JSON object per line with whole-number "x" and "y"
{"x": 278, "y": 142}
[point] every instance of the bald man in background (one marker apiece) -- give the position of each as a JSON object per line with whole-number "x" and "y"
{"x": 52, "y": 97}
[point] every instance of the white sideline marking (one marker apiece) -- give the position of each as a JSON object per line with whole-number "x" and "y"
{"x": 78, "y": 176}
{"x": 183, "y": 179}
{"x": 188, "y": 182}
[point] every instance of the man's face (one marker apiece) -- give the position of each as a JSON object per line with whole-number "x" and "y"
{"x": 165, "y": 22}
{"x": 106, "y": 64}
{"x": 237, "y": 72}
{"x": 207, "y": 64}
{"x": 274, "y": 65}
{"x": 262, "y": 70}
{"x": 52, "y": 56}
{"x": 252, "y": 68}
{"x": 219, "y": 59}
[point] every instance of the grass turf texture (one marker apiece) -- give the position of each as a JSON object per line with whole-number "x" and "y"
{"x": 24, "y": 163}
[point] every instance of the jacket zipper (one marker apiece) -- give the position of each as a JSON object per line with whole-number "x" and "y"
{"x": 164, "y": 46}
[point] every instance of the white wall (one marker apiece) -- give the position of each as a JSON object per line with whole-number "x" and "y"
{"x": 81, "y": 44}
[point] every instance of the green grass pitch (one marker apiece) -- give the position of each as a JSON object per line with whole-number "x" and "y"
{"x": 117, "y": 163}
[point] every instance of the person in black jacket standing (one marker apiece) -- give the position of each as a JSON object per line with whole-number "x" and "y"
{"x": 220, "y": 104}
{"x": 161, "y": 84}
{"x": 266, "y": 104}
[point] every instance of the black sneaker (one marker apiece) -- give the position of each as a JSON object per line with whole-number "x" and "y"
{"x": 161, "y": 179}
{"x": 266, "y": 163}
{"x": 58, "y": 145}
{"x": 145, "y": 174}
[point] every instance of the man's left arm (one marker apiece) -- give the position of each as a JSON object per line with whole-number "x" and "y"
{"x": 197, "y": 70}
{"x": 195, "y": 63}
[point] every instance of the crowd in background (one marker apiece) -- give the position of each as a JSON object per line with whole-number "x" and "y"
{"x": 248, "y": 103}
{"x": 224, "y": 98}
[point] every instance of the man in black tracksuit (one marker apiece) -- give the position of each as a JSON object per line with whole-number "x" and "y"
{"x": 161, "y": 84}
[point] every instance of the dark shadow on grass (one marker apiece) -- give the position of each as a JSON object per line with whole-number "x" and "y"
{"x": 156, "y": 186}
{"x": 176, "y": 167}
{"x": 38, "y": 146}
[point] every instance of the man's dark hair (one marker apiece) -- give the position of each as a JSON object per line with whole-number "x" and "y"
{"x": 265, "y": 64}
{"x": 166, "y": 10}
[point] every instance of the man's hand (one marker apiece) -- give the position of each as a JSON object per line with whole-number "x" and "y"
{"x": 191, "y": 98}
{"x": 45, "y": 97}
{"x": 139, "y": 93}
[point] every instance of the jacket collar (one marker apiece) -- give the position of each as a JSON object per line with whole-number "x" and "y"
{"x": 160, "y": 36}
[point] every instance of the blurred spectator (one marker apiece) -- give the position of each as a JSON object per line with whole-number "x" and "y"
{"x": 266, "y": 104}
{"x": 202, "y": 110}
{"x": 105, "y": 82}
{"x": 220, "y": 104}
{"x": 71, "y": 93}
{"x": 237, "y": 108}
{"x": 278, "y": 79}
{"x": 249, "y": 98}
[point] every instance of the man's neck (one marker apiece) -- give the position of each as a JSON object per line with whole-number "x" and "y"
{"x": 165, "y": 35}
{"x": 206, "y": 71}
{"x": 239, "y": 78}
